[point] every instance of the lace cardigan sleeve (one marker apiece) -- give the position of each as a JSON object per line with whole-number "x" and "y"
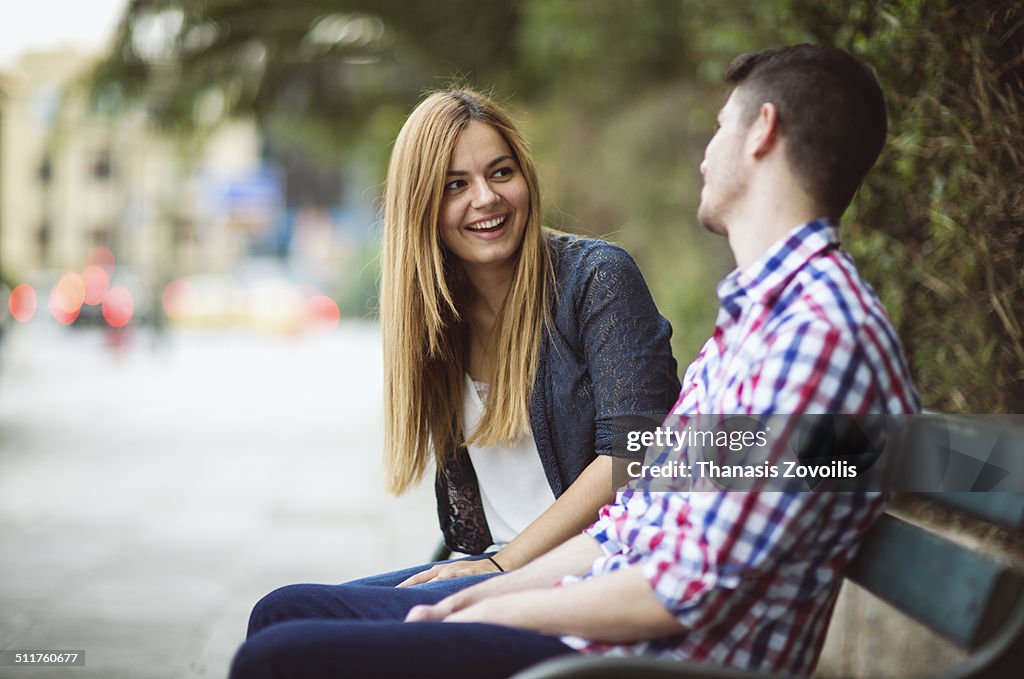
{"x": 625, "y": 343}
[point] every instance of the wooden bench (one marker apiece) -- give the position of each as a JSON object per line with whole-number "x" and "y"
{"x": 970, "y": 599}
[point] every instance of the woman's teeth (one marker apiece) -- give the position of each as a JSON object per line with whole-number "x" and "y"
{"x": 489, "y": 225}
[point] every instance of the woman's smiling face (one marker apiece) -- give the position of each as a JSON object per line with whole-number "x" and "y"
{"x": 485, "y": 202}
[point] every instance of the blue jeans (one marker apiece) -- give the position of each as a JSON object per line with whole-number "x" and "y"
{"x": 356, "y": 629}
{"x": 450, "y": 585}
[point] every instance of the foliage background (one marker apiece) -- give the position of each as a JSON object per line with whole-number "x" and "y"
{"x": 618, "y": 98}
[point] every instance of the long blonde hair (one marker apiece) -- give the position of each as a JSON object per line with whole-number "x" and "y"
{"x": 425, "y": 335}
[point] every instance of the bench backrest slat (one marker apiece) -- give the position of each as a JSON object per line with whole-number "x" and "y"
{"x": 1005, "y": 509}
{"x": 951, "y": 589}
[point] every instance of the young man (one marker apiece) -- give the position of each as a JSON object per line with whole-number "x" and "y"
{"x": 746, "y": 579}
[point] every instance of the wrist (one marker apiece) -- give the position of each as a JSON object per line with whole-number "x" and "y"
{"x": 509, "y": 558}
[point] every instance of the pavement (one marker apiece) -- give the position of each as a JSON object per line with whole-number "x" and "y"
{"x": 151, "y": 492}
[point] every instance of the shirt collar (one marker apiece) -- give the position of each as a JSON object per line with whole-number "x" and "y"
{"x": 787, "y": 255}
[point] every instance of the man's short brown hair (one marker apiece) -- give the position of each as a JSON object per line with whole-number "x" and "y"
{"x": 830, "y": 110}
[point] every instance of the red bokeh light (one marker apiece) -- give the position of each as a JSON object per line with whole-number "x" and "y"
{"x": 103, "y": 257}
{"x": 22, "y": 303}
{"x": 97, "y": 282}
{"x": 118, "y": 306}
{"x": 321, "y": 313}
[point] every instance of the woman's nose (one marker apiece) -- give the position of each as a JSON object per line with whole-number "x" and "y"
{"x": 483, "y": 195}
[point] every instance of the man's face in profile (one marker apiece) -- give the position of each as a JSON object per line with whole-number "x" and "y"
{"x": 724, "y": 173}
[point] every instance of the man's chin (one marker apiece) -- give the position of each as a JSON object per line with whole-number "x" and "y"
{"x": 709, "y": 222}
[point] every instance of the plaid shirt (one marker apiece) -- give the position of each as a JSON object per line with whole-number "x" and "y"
{"x": 753, "y": 576}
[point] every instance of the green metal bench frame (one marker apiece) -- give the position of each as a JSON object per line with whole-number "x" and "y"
{"x": 970, "y": 599}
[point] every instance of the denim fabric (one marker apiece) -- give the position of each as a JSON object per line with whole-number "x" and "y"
{"x": 605, "y": 355}
{"x": 446, "y": 586}
{"x": 352, "y": 630}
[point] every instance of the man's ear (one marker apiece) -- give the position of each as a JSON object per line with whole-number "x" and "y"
{"x": 764, "y": 132}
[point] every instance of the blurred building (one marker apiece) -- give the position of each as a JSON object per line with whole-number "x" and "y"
{"x": 78, "y": 172}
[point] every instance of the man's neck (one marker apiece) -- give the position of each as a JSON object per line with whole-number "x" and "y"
{"x": 769, "y": 213}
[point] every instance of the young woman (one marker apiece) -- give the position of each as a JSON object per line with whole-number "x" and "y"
{"x": 508, "y": 350}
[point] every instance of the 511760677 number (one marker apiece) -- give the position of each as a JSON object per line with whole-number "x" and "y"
{"x": 41, "y": 658}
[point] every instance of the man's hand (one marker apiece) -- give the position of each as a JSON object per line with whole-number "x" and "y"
{"x": 456, "y": 569}
{"x": 573, "y": 557}
{"x": 453, "y": 603}
{"x": 504, "y": 609}
{"x": 518, "y": 609}
{"x": 435, "y": 613}
{"x": 616, "y": 607}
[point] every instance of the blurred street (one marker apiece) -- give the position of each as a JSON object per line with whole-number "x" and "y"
{"x": 150, "y": 495}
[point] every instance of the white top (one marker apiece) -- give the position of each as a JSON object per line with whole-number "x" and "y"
{"x": 513, "y": 486}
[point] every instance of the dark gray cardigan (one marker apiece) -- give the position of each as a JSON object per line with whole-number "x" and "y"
{"x": 606, "y": 355}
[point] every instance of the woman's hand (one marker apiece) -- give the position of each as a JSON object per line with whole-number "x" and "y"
{"x": 455, "y": 569}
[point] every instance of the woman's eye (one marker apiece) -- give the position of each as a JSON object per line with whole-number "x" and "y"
{"x": 454, "y": 185}
{"x": 503, "y": 172}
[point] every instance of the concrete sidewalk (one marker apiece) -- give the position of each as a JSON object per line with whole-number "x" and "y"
{"x": 148, "y": 498}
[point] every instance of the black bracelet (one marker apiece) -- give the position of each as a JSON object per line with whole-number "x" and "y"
{"x": 496, "y": 564}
